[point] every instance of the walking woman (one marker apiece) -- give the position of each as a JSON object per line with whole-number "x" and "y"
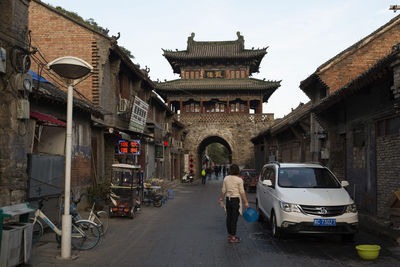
{"x": 233, "y": 190}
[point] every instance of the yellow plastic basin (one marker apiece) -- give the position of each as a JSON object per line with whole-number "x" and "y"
{"x": 368, "y": 252}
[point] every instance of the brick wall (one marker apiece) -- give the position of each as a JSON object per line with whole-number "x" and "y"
{"x": 388, "y": 169}
{"x": 56, "y": 36}
{"x": 364, "y": 56}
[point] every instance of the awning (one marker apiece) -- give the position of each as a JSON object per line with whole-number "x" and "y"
{"x": 47, "y": 118}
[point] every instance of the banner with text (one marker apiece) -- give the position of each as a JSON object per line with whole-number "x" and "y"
{"x": 138, "y": 116}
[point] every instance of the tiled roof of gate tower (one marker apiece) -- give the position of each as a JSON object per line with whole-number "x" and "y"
{"x": 220, "y": 84}
{"x": 218, "y": 50}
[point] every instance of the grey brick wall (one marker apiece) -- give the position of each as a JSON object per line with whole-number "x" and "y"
{"x": 14, "y": 139}
{"x": 388, "y": 170}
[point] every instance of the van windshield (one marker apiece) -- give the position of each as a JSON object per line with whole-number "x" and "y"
{"x": 307, "y": 178}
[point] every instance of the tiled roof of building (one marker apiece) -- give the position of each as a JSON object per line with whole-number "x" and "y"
{"x": 217, "y": 50}
{"x": 217, "y": 84}
{"x": 315, "y": 77}
{"x": 46, "y": 90}
{"x": 365, "y": 78}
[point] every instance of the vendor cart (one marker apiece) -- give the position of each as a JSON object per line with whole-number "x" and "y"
{"x": 124, "y": 190}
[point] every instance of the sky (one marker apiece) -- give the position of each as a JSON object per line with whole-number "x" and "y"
{"x": 300, "y": 35}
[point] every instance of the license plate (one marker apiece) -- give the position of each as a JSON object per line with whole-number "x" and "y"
{"x": 324, "y": 222}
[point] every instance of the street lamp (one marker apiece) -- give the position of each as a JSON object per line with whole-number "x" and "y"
{"x": 71, "y": 70}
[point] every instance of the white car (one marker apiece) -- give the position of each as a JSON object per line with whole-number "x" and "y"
{"x": 305, "y": 198}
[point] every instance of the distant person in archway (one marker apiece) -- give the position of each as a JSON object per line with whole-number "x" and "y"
{"x": 203, "y": 176}
{"x": 233, "y": 190}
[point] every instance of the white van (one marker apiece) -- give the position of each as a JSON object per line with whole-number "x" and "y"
{"x": 305, "y": 198}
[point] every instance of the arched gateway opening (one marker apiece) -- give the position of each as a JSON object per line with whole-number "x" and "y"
{"x": 202, "y": 148}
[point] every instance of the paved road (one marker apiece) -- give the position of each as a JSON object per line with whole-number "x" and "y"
{"x": 190, "y": 231}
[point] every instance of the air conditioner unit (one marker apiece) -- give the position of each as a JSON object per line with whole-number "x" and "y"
{"x": 123, "y": 105}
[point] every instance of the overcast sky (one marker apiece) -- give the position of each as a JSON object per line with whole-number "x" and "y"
{"x": 301, "y": 35}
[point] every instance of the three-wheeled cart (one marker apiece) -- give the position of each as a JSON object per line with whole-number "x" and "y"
{"x": 124, "y": 190}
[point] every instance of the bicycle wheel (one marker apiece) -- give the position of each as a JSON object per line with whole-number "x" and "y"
{"x": 85, "y": 235}
{"x": 37, "y": 230}
{"x": 102, "y": 220}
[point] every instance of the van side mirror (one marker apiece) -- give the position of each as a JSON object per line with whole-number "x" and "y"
{"x": 345, "y": 183}
{"x": 267, "y": 182}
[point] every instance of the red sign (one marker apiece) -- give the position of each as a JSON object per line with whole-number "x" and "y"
{"x": 165, "y": 143}
{"x": 129, "y": 147}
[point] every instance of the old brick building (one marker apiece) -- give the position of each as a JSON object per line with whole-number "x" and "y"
{"x": 353, "y": 118}
{"x": 355, "y": 101}
{"x": 113, "y": 87}
{"x": 216, "y": 99}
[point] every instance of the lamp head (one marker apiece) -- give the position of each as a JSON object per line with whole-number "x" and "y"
{"x": 71, "y": 68}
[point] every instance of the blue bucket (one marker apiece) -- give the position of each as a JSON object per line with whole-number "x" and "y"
{"x": 250, "y": 215}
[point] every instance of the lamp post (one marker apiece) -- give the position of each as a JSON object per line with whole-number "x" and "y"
{"x": 71, "y": 70}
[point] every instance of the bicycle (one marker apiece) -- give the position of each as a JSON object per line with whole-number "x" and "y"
{"x": 100, "y": 218}
{"x": 84, "y": 234}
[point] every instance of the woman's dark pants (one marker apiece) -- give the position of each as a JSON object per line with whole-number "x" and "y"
{"x": 232, "y": 214}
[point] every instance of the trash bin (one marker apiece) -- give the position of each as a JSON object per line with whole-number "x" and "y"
{"x": 11, "y": 246}
{"x": 16, "y": 237}
{"x": 26, "y": 239}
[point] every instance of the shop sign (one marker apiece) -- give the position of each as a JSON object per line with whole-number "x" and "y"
{"x": 138, "y": 116}
{"x": 129, "y": 147}
{"x": 214, "y": 74}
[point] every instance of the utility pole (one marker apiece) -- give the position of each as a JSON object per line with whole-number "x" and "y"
{"x": 394, "y": 7}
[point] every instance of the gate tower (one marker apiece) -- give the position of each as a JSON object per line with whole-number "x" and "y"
{"x": 215, "y": 97}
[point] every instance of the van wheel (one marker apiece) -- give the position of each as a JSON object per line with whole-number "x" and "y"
{"x": 276, "y": 231}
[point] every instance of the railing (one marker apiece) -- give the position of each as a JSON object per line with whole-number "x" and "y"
{"x": 225, "y": 117}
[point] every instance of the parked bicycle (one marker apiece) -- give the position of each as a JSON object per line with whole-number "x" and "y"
{"x": 85, "y": 234}
{"x": 100, "y": 218}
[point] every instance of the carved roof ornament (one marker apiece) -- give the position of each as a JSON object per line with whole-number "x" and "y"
{"x": 191, "y": 37}
{"x": 115, "y": 38}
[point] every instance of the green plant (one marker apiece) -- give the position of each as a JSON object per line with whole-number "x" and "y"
{"x": 100, "y": 191}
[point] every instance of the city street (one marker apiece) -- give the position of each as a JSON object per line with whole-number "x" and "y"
{"x": 190, "y": 231}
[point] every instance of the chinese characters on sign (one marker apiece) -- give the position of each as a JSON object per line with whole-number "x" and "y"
{"x": 214, "y": 74}
{"x": 129, "y": 147}
{"x": 138, "y": 116}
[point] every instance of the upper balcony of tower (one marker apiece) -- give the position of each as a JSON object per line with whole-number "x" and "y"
{"x": 218, "y": 53}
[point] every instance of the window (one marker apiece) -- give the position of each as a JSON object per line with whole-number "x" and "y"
{"x": 242, "y": 74}
{"x": 232, "y": 74}
{"x": 237, "y": 74}
{"x": 388, "y": 126}
{"x": 186, "y": 75}
{"x": 307, "y": 178}
{"x": 197, "y": 75}
{"x": 192, "y": 75}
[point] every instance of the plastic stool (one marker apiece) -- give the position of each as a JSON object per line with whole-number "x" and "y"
{"x": 170, "y": 194}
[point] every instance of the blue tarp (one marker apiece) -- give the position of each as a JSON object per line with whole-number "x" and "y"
{"x": 35, "y": 76}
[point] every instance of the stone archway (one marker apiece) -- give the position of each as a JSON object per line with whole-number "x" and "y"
{"x": 209, "y": 140}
